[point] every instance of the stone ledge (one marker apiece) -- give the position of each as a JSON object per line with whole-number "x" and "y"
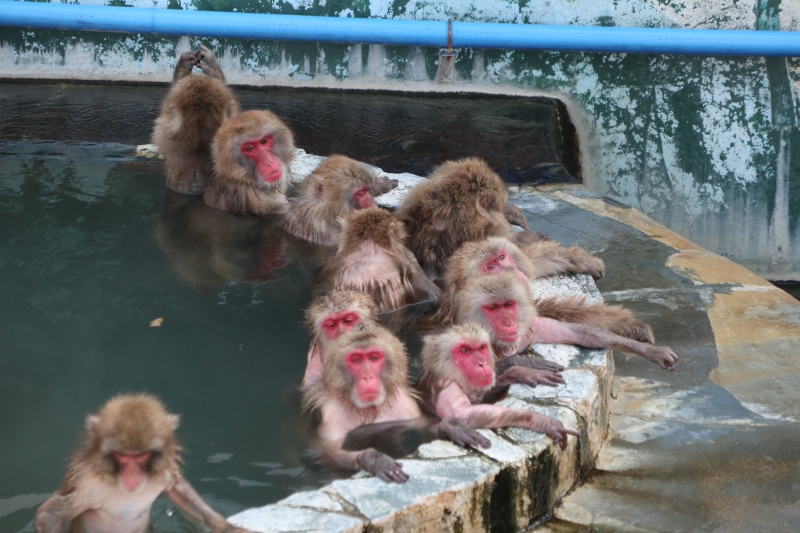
{"x": 505, "y": 488}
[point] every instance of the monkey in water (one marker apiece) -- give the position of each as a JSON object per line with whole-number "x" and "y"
{"x": 461, "y": 201}
{"x": 502, "y": 304}
{"x": 252, "y": 153}
{"x": 338, "y": 187}
{"x": 371, "y": 258}
{"x": 330, "y": 316}
{"x": 128, "y": 458}
{"x": 191, "y": 113}
{"x": 365, "y": 381}
{"x": 498, "y": 254}
{"x": 458, "y": 374}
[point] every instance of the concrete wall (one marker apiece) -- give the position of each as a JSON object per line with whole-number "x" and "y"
{"x": 710, "y": 147}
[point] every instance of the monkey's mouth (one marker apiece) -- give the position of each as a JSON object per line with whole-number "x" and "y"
{"x": 509, "y": 338}
{"x": 272, "y": 177}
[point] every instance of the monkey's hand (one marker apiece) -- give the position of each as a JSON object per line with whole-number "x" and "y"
{"x": 530, "y": 376}
{"x": 207, "y": 61}
{"x": 585, "y": 263}
{"x": 461, "y": 433}
{"x": 382, "y": 185}
{"x": 382, "y": 466}
{"x": 663, "y": 356}
{"x": 536, "y": 363}
{"x": 553, "y": 429}
{"x": 186, "y": 63}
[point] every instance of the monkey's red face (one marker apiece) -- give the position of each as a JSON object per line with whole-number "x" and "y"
{"x": 474, "y": 361}
{"x": 363, "y": 198}
{"x": 366, "y": 366}
{"x": 132, "y": 469}
{"x": 503, "y": 317}
{"x": 268, "y": 166}
{"x": 499, "y": 262}
{"x": 337, "y": 323}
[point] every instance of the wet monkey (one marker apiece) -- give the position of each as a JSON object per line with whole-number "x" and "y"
{"x": 252, "y": 153}
{"x": 336, "y": 188}
{"x": 458, "y": 374}
{"x": 461, "y": 201}
{"x": 497, "y": 254}
{"x": 128, "y": 458}
{"x": 191, "y": 113}
{"x": 502, "y": 304}
{"x": 330, "y": 316}
{"x": 365, "y": 381}
{"x": 371, "y": 258}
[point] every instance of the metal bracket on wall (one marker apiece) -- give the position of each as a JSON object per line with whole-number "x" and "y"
{"x": 446, "y": 72}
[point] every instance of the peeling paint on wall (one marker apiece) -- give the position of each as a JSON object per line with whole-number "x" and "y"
{"x": 703, "y": 145}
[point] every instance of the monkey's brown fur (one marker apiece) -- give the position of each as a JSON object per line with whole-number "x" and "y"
{"x": 371, "y": 258}
{"x": 191, "y": 113}
{"x": 135, "y": 423}
{"x": 338, "y": 381}
{"x": 461, "y": 201}
{"x": 327, "y": 194}
{"x": 235, "y": 185}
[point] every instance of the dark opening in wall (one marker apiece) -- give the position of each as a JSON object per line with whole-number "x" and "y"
{"x": 525, "y": 139}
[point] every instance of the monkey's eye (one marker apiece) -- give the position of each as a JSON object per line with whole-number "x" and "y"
{"x": 508, "y": 304}
{"x": 482, "y": 347}
{"x": 329, "y": 324}
{"x": 464, "y": 349}
{"x": 263, "y": 141}
{"x": 502, "y": 257}
{"x": 493, "y": 307}
{"x": 490, "y": 266}
{"x": 249, "y": 148}
{"x": 373, "y": 357}
{"x": 356, "y": 359}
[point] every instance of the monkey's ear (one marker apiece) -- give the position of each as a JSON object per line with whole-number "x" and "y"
{"x": 92, "y": 421}
{"x": 318, "y": 188}
{"x": 174, "y": 421}
{"x": 397, "y": 231}
{"x": 344, "y": 225}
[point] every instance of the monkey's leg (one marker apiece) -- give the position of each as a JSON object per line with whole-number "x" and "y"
{"x": 186, "y": 63}
{"x": 613, "y": 318}
{"x": 551, "y": 258}
{"x": 553, "y": 331}
{"x": 208, "y": 62}
{"x": 515, "y": 216}
{"x": 525, "y": 238}
{"x": 536, "y": 363}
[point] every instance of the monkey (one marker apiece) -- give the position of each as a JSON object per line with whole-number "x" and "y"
{"x": 502, "y": 304}
{"x": 371, "y": 258}
{"x": 365, "y": 381}
{"x": 497, "y": 254}
{"x": 129, "y": 457}
{"x": 252, "y": 153}
{"x": 461, "y": 201}
{"x": 337, "y": 187}
{"x": 191, "y": 113}
{"x": 458, "y": 374}
{"x": 328, "y": 317}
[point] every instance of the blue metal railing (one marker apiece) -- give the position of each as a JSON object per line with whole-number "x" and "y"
{"x": 398, "y": 32}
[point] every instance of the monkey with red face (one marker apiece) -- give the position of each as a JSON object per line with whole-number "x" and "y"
{"x": 365, "y": 381}
{"x": 501, "y": 303}
{"x": 330, "y": 316}
{"x": 129, "y": 457}
{"x": 191, "y": 113}
{"x": 337, "y": 187}
{"x": 252, "y": 153}
{"x": 497, "y": 254}
{"x": 371, "y": 258}
{"x": 458, "y": 375}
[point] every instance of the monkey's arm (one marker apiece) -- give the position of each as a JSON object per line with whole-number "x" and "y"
{"x": 207, "y": 61}
{"x": 184, "y": 496}
{"x": 515, "y": 216}
{"x": 461, "y": 433}
{"x": 613, "y": 318}
{"x": 54, "y": 514}
{"x": 186, "y": 62}
{"x": 314, "y": 366}
{"x": 528, "y": 376}
{"x": 382, "y": 185}
{"x": 453, "y": 402}
{"x": 549, "y": 258}
{"x": 552, "y": 331}
{"x": 537, "y": 363}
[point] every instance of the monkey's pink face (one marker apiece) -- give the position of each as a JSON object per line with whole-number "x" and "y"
{"x": 132, "y": 469}
{"x": 504, "y": 318}
{"x": 337, "y": 323}
{"x": 260, "y": 151}
{"x": 499, "y": 262}
{"x": 474, "y": 361}
{"x": 363, "y": 198}
{"x": 366, "y": 366}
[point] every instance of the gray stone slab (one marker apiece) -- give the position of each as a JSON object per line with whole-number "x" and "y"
{"x": 282, "y": 518}
{"x": 313, "y": 499}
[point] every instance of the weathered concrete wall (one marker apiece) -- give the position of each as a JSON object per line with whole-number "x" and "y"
{"x": 708, "y": 146}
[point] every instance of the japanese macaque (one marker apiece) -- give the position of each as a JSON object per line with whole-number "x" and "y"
{"x": 191, "y": 113}
{"x": 458, "y": 374}
{"x": 328, "y": 317}
{"x": 252, "y": 153}
{"x": 128, "y": 458}
{"x": 337, "y": 187}
{"x": 497, "y": 254}
{"x": 371, "y": 258}
{"x": 461, "y": 201}
{"x": 365, "y": 381}
{"x": 502, "y": 304}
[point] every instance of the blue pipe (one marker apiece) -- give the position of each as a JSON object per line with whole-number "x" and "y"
{"x": 399, "y": 32}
